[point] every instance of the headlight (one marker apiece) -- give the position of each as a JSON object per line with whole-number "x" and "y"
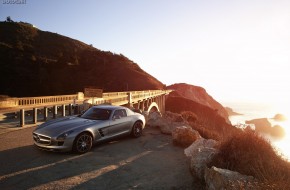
{"x": 63, "y": 136}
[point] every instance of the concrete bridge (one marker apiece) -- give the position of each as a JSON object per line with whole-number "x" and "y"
{"x": 149, "y": 100}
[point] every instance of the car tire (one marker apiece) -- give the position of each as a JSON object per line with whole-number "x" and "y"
{"x": 137, "y": 129}
{"x": 83, "y": 143}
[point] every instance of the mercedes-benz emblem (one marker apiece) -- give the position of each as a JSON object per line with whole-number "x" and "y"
{"x": 37, "y": 139}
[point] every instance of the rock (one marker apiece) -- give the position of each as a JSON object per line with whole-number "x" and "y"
{"x": 154, "y": 116}
{"x": 167, "y": 129}
{"x": 201, "y": 143}
{"x": 262, "y": 125}
{"x": 278, "y": 132}
{"x": 280, "y": 117}
{"x": 166, "y": 123}
{"x": 216, "y": 178}
{"x": 184, "y": 136}
{"x": 199, "y": 162}
{"x": 175, "y": 117}
{"x": 155, "y": 119}
{"x": 201, "y": 153}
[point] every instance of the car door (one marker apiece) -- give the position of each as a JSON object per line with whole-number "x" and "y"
{"x": 102, "y": 122}
{"x": 120, "y": 122}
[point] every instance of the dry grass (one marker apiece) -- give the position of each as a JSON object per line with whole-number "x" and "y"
{"x": 189, "y": 116}
{"x": 197, "y": 125}
{"x": 205, "y": 132}
{"x": 250, "y": 154}
{"x": 207, "y": 128}
{"x": 244, "y": 151}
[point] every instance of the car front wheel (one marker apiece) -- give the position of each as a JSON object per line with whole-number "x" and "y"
{"x": 83, "y": 143}
{"x": 137, "y": 129}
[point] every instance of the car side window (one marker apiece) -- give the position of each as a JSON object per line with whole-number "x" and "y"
{"x": 129, "y": 112}
{"x": 124, "y": 113}
{"x": 119, "y": 114}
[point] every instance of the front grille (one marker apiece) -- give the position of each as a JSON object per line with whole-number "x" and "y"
{"x": 41, "y": 139}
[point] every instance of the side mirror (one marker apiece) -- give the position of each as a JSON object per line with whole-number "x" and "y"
{"x": 82, "y": 112}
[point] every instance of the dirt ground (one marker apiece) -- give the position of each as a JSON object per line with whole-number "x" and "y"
{"x": 148, "y": 162}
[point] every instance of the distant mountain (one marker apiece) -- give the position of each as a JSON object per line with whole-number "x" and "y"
{"x": 200, "y": 96}
{"x": 231, "y": 112}
{"x": 37, "y": 63}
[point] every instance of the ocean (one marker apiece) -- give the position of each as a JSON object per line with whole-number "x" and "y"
{"x": 251, "y": 111}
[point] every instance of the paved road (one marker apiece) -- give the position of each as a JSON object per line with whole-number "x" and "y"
{"x": 149, "y": 162}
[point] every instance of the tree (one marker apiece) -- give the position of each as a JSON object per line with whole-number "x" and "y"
{"x": 8, "y": 19}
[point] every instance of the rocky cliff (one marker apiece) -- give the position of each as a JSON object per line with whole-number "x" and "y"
{"x": 199, "y": 95}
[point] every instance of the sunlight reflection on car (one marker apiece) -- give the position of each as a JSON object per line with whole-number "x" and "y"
{"x": 79, "y": 133}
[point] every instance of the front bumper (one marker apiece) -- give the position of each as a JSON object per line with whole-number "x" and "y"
{"x": 50, "y": 144}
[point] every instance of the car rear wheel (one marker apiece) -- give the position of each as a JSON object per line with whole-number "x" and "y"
{"x": 83, "y": 143}
{"x": 137, "y": 129}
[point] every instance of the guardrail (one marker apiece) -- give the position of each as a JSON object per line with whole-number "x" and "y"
{"x": 30, "y": 101}
{"x": 72, "y": 102}
{"x": 46, "y": 99}
{"x": 110, "y": 97}
{"x": 122, "y": 98}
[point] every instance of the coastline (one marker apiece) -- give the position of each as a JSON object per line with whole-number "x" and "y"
{"x": 253, "y": 111}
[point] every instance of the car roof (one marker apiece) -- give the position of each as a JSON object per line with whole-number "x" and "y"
{"x": 109, "y": 107}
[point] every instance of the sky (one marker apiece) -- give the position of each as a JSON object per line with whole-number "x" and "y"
{"x": 238, "y": 50}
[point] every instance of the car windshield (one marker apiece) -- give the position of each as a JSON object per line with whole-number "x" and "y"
{"x": 97, "y": 114}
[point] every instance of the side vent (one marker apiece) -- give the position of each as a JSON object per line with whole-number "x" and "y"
{"x": 101, "y": 132}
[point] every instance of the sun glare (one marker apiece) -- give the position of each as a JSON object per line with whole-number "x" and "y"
{"x": 283, "y": 145}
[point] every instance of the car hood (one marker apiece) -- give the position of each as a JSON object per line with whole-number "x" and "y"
{"x": 56, "y": 127}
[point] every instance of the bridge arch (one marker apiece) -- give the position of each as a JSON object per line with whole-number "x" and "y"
{"x": 153, "y": 107}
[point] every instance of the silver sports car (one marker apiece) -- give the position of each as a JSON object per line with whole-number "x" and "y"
{"x": 78, "y": 133}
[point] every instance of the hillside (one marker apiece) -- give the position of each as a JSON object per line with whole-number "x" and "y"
{"x": 199, "y": 95}
{"x": 206, "y": 116}
{"x": 37, "y": 63}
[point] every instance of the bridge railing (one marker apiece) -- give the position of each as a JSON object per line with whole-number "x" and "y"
{"x": 77, "y": 102}
{"x": 116, "y": 98}
{"x": 121, "y": 98}
{"x": 46, "y": 99}
{"x": 139, "y": 95}
{"x": 31, "y": 101}
{"x": 112, "y": 94}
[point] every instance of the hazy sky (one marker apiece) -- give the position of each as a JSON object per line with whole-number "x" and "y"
{"x": 236, "y": 50}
